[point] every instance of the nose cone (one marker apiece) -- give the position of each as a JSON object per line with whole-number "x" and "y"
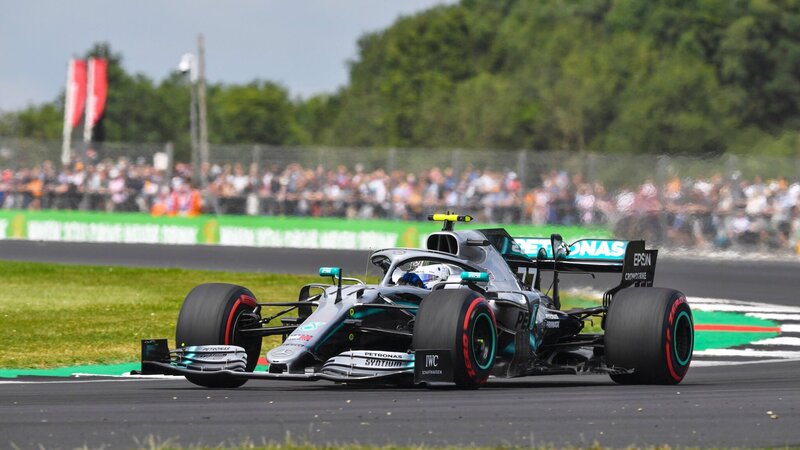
{"x": 283, "y": 354}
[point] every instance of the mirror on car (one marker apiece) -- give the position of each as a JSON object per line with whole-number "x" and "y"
{"x": 330, "y": 271}
{"x": 560, "y": 249}
{"x": 475, "y": 277}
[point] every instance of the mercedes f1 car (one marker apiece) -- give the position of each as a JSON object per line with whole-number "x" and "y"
{"x": 466, "y": 307}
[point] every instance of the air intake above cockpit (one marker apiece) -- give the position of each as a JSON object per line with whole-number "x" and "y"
{"x": 443, "y": 242}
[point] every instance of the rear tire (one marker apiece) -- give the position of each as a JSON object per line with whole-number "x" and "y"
{"x": 210, "y": 315}
{"x": 650, "y": 330}
{"x": 462, "y": 322}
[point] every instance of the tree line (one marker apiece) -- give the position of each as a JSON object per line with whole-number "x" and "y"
{"x": 620, "y": 76}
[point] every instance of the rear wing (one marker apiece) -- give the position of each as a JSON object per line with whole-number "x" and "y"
{"x": 630, "y": 258}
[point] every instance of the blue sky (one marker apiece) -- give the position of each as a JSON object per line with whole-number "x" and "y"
{"x": 302, "y": 44}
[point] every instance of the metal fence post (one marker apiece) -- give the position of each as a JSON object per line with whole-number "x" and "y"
{"x": 455, "y": 163}
{"x": 797, "y": 169}
{"x": 522, "y": 169}
{"x": 731, "y": 164}
{"x": 321, "y": 158}
{"x": 170, "y": 149}
{"x": 661, "y": 182}
{"x": 591, "y": 168}
{"x": 391, "y": 157}
{"x": 256, "y": 156}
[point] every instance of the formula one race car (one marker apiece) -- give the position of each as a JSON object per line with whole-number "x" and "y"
{"x": 467, "y": 306}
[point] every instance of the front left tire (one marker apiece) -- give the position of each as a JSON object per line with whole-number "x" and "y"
{"x": 212, "y": 314}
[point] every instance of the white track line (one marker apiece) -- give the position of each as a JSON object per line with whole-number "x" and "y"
{"x": 743, "y": 308}
{"x": 721, "y": 301}
{"x": 768, "y": 306}
{"x": 749, "y": 352}
{"x": 704, "y": 363}
{"x": 754, "y": 309}
{"x": 78, "y": 380}
{"x": 783, "y": 340}
{"x": 776, "y": 316}
{"x": 128, "y": 375}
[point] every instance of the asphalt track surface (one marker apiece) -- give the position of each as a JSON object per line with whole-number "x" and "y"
{"x": 754, "y": 405}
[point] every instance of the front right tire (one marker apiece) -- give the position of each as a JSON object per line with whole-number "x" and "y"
{"x": 461, "y": 321}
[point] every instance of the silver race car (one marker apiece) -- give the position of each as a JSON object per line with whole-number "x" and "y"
{"x": 467, "y": 306}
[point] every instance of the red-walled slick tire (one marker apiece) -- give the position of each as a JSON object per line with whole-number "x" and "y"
{"x": 461, "y": 321}
{"x": 649, "y": 330}
{"x": 211, "y": 315}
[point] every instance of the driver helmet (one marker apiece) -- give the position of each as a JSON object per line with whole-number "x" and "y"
{"x": 426, "y": 276}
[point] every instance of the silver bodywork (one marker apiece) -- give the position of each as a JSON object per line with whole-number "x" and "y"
{"x": 534, "y": 336}
{"x": 471, "y": 252}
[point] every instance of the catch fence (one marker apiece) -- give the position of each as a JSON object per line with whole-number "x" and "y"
{"x": 726, "y": 200}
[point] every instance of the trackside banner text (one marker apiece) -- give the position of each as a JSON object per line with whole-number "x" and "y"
{"x": 246, "y": 231}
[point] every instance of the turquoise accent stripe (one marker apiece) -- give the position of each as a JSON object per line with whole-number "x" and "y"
{"x": 475, "y": 276}
{"x": 332, "y": 332}
{"x": 329, "y": 271}
{"x": 683, "y": 315}
{"x": 584, "y": 249}
{"x": 494, "y": 341}
{"x": 532, "y": 338}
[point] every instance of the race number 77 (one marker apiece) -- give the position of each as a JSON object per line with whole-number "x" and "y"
{"x": 526, "y": 275}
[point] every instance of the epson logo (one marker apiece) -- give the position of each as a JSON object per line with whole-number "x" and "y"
{"x": 642, "y": 259}
{"x": 431, "y": 360}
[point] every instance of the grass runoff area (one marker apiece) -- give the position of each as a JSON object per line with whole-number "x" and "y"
{"x": 54, "y": 315}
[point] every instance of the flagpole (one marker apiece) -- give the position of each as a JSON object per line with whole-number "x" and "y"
{"x": 90, "y": 103}
{"x": 201, "y": 99}
{"x": 69, "y": 98}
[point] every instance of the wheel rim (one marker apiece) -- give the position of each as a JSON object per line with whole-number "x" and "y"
{"x": 683, "y": 338}
{"x": 236, "y": 335}
{"x": 249, "y": 343}
{"x": 483, "y": 341}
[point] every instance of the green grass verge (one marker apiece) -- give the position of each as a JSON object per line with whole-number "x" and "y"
{"x": 55, "y": 315}
{"x": 61, "y": 315}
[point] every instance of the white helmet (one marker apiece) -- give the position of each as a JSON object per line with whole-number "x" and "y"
{"x": 433, "y": 274}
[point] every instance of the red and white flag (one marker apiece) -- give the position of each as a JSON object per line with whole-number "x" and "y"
{"x": 74, "y": 99}
{"x": 97, "y": 91}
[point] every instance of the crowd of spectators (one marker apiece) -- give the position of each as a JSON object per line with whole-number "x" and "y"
{"x": 717, "y": 211}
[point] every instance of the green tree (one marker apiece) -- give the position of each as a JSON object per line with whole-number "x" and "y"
{"x": 680, "y": 108}
{"x": 38, "y": 122}
{"x": 631, "y": 76}
{"x": 259, "y": 112}
{"x": 315, "y": 115}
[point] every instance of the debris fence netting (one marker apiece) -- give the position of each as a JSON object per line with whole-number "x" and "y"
{"x": 743, "y": 202}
